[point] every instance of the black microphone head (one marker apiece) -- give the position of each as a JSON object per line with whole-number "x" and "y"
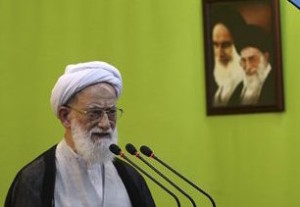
{"x": 115, "y": 149}
{"x": 146, "y": 151}
{"x": 131, "y": 149}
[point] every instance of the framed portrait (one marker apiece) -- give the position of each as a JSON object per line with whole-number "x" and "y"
{"x": 243, "y": 67}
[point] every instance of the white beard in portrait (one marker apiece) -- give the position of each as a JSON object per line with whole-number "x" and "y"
{"x": 227, "y": 78}
{"x": 253, "y": 83}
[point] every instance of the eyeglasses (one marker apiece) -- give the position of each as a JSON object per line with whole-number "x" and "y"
{"x": 96, "y": 114}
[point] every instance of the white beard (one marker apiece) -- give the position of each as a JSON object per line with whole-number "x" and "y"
{"x": 253, "y": 84}
{"x": 227, "y": 79}
{"x": 92, "y": 151}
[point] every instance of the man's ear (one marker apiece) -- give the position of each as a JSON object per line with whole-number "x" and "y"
{"x": 267, "y": 57}
{"x": 63, "y": 115}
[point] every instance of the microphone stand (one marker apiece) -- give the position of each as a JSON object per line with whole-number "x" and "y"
{"x": 131, "y": 149}
{"x": 149, "y": 176}
{"x": 185, "y": 179}
{"x": 117, "y": 151}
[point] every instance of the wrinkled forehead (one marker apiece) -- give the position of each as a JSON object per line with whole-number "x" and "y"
{"x": 101, "y": 95}
{"x": 250, "y": 52}
{"x": 221, "y": 32}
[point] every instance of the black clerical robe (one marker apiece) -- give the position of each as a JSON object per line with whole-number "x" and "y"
{"x": 34, "y": 185}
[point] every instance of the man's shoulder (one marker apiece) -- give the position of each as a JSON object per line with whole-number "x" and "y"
{"x": 27, "y": 187}
{"x": 34, "y": 170}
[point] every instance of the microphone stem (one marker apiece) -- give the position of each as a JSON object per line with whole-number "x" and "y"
{"x": 185, "y": 179}
{"x": 150, "y": 177}
{"x": 168, "y": 180}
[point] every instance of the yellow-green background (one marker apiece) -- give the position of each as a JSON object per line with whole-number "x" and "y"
{"x": 241, "y": 160}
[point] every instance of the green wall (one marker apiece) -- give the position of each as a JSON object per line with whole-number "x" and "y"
{"x": 242, "y": 160}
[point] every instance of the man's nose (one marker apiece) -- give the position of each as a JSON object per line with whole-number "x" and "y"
{"x": 247, "y": 66}
{"x": 104, "y": 122}
{"x": 220, "y": 50}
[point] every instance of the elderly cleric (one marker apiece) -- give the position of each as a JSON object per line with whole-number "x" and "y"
{"x": 80, "y": 170}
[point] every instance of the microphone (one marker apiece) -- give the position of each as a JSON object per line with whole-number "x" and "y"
{"x": 117, "y": 151}
{"x": 149, "y": 153}
{"x": 132, "y": 150}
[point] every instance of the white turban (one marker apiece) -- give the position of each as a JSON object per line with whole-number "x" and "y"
{"x": 80, "y": 76}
